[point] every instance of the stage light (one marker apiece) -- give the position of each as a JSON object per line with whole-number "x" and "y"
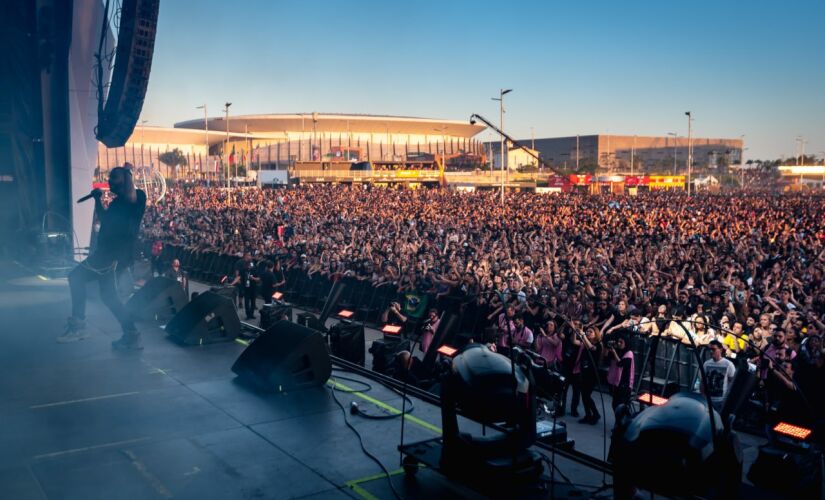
{"x": 277, "y": 296}
{"x": 665, "y": 448}
{"x": 448, "y": 351}
{"x": 391, "y": 329}
{"x": 345, "y": 313}
{"x": 794, "y": 431}
{"x": 651, "y": 399}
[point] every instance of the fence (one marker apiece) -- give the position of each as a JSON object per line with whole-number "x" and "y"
{"x": 675, "y": 362}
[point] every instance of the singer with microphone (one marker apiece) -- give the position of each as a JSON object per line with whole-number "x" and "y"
{"x": 119, "y": 226}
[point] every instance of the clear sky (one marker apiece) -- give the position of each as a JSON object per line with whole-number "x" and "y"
{"x": 747, "y": 67}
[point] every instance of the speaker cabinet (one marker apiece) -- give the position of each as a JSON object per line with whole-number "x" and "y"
{"x": 272, "y": 313}
{"x": 286, "y": 357}
{"x": 160, "y": 298}
{"x": 384, "y": 351}
{"x": 346, "y": 341}
{"x": 209, "y": 318}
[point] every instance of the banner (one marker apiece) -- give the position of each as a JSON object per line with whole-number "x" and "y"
{"x": 581, "y": 179}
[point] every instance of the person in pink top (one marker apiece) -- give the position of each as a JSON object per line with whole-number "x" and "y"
{"x": 549, "y": 343}
{"x": 621, "y": 370}
{"x": 522, "y": 336}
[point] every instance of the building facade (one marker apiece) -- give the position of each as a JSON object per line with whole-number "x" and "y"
{"x": 280, "y": 141}
{"x": 613, "y": 153}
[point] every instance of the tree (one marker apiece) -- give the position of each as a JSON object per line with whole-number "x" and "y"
{"x": 173, "y": 159}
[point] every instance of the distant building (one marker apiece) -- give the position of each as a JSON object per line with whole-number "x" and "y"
{"x": 650, "y": 154}
{"x": 281, "y": 140}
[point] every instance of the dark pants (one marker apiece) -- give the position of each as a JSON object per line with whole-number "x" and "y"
{"x": 93, "y": 269}
{"x": 249, "y": 301}
{"x": 574, "y": 381}
{"x": 621, "y": 396}
{"x": 587, "y": 386}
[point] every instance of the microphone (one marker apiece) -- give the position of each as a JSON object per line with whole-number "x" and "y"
{"x": 92, "y": 194}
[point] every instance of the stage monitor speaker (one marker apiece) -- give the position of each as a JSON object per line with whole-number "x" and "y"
{"x": 160, "y": 298}
{"x": 384, "y": 351}
{"x": 208, "y": 319}
{"x": 272, "y": 313}
{"x": 286, "y": 357}
{"x": 346, "y": 341}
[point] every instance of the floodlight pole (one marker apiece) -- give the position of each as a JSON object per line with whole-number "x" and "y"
{"x": 226, "y": 149}
{"x": 206, "y": 128}
{"x": 500, "y": 100}
{"x": 690, "y": 149}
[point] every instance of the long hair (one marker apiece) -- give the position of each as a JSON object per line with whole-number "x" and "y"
{"x": 129, "y": 191}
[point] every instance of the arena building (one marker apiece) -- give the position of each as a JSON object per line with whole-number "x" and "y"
{"x": 665, "y": 154}
{"x": 301, "y": 140}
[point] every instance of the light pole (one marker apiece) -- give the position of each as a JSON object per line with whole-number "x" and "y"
{"x": 226, "y": 149}
{"x": 675, "y": 151}
{"x": 142, "y": 123}
{"x": 742, "y": 163}
{"x": 443, "y": 130}
{"x": 577, "y": 153}
{"x": 500, "y": 100}
{"x": 690, "y": 147}
{"x": 206, "y": 128}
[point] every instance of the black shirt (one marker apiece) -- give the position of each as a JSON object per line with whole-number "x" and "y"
{"x": 267, "y": 283}
{"x": 245, "y": 270}
{"x": 119, "y": 226}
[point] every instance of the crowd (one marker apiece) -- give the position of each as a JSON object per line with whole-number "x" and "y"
{"x": 562, "y": 273}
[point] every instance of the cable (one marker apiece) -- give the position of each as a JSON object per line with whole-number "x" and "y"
{"x": 363, "y": 448}
{"x": 351, "y": 391}
{"x": 359, "y": 411}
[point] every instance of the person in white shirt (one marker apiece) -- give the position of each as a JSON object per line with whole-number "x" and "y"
{"x": 719, "y": 374}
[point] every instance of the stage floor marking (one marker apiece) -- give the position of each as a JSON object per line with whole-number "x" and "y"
{"x": 89, "y": 448}
{"x": 73, "y": 401}
{"x": 385, "y": 406}
{"x": 366, "y": 495}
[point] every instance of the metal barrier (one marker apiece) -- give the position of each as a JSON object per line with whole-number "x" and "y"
{"x": 675, "y": 362}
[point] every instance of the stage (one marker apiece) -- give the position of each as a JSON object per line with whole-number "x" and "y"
{"x": 81, "y": 421}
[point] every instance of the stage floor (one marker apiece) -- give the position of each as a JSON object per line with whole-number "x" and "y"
{"x": 80, "y": 421}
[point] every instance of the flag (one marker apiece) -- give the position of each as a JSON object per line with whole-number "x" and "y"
{"x": 232, "y": 156}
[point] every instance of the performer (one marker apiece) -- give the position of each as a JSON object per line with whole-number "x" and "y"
{"x": 119, "y": 225}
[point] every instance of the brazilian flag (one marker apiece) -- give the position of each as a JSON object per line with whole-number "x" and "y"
{"x": 414, "y": 305}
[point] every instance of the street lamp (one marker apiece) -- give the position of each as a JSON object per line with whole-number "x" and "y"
{"x": 226, "y": 149}
{"x": 142, "y": 123}
{"x": 500, "y": 100}
{"x": 690, "y": 147}
{"x": 443, "y": 130}
{"x": 675, "y": 151}
{"x": 206, "y": 128}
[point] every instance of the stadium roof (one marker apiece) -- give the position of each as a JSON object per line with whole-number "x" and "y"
{"x": 276, "y": 125}
{"x": 169, "y": 135}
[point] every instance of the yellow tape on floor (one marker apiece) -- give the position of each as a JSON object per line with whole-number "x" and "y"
{"x": 385, "y": 406}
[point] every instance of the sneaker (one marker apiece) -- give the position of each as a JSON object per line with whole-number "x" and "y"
{"x": 75, "y": 330}
{"x": 130, "y": 341}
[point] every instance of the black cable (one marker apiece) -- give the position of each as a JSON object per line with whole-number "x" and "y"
{"x": 404, "y": 411}
{"x": 351, "y": 391}
{"x": 363, "y": 448}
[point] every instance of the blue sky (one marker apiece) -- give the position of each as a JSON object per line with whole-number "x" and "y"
{"x": 752, "y": 67}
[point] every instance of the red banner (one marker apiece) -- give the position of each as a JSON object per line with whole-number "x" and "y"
{"x": 557, "y": 181}
{"x": 637, "y": 180}
{"x": 581, "y": 180}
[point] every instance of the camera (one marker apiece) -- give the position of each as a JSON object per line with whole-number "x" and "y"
{"x": 610, "y": 344}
